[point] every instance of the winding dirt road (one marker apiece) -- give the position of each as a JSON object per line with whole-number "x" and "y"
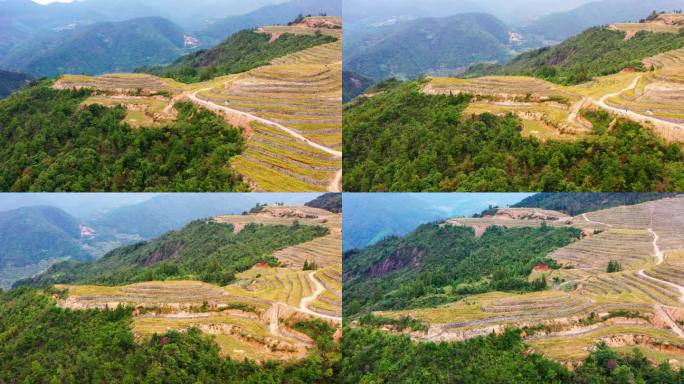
{"x": 304, "y": 303}
{"x": 631, "y": 114}
{"x": 584, "y": 215}
{"x": 214, "y": 107}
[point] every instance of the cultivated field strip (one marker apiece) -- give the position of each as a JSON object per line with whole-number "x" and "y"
{"x": 302, "y": 97}
{"x": 501, "y": 87}
{"x": 665, "y": 217}
{"x": 595, "y": 252}
{"x": 324, "y": 251}
{"x": 128, "y": 83}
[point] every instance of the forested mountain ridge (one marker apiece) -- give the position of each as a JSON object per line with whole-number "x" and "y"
{"x": 438, "y": 263}
{"x": 430, "y": 45}
{"x": 577, "y": 203}
{"x": 33, "y": 234}
{"x": 598, "y": 51}
{"x": 240, "y": 52}
{"x": 202, "y": 250}
{"x": 99, "y": 48}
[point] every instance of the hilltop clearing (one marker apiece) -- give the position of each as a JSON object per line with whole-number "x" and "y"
{"x": 657, "y": 22}
{"x": 620, "y": 283}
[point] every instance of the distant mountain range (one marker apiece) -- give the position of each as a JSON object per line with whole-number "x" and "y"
{"x": 429, "y": 45}
{"x": 398, "y": 214}
{"x": 99, "y": 48}
{"x": 559, "y": 26}
{"x": 32, "y": 234}
{"x": 100, "y": 36}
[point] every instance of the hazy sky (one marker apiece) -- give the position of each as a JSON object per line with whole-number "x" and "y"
{"x": 52, "y": 1}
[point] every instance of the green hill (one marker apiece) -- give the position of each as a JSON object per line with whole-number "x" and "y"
{"x": 330, "y": 201}
{"x": 99, "y": 48}
{"x": 436, "y": 264}
{"x": 202, "y": 250}
{"x": 49, "y": 143}
{"x": 595, "y": 52}
{"x": 11, "y": 81}
{"x": 430, "y": 45}
{"x": 578, "y": 203}
{"x": 405, "y": 140}
{"x": 241, "y": 52}
{"x": 34, "y": 234}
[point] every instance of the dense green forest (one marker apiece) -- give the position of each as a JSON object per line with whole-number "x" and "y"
{"x": 437, "y": 264}
{"x": 241, "y": 52}
{"x": 30, "y": 235}
{"x": 595, "y": 52}
{"x": 43, "y": 343}
{"x": 405, "y": 140}
{"x": 48, "y": 142}
{"x": 377, "y": 357}
{"x": 578, "y": 203}
{"x": 202, "y": 250}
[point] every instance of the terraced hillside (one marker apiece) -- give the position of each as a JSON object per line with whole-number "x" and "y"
{"x": 290, "y": 111}
{"x": 254, "y": 316}
{"x": 640, "y": 304}
{"x": 551, "y": 111}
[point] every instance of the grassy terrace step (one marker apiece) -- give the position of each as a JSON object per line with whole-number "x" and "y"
{"x": 322, "y": 54}
{"x": 496, "y": 85}
{"x": 596, "y": 251}
{"x": 324, "y": 251}
{"x": 574, "y": 348}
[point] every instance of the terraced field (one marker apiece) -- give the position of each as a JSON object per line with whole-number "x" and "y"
{"x": 290, "y": 111}
{"x": 548, "y": 111}
{"x": 552, "y": 112}
{"x": 641, "y": 305}
{"x": 249, "y": 317}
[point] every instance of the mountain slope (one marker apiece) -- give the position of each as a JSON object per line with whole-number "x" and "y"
{"x": 412, "y": 48}
{"x": 353, "y": 85}
{"x": 202, "y": 250}
{"x": 438, "y": 263}
{"x": 11, "y": 81}
{"x": 330, "y": 202}
{"x": 33, "y": 234}
{"x": 597, "y": 51}
{"x": 560, "y": 26}
{"x": 241, "y": 52}
{"x": 99, "y": 48}
{"x": 577, "y": 203}
{"x": 271, "y": 15}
